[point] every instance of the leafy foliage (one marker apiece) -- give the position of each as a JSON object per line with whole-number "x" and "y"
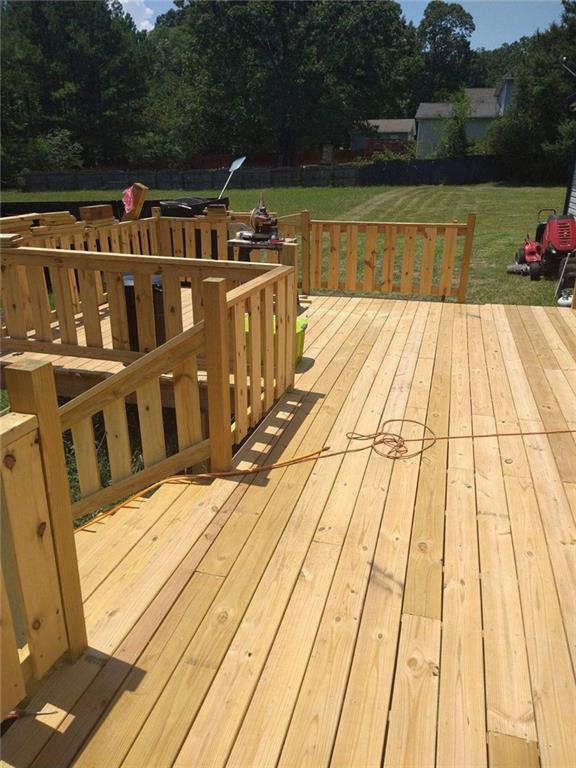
{"x": 535, "y": 138}
{"x": 454, "y": 141}
{"x": 57, "y": 151}
{"x": 75, "y": 66}
{"x": 80, "y": 84}
{"x": 444, "y": 35}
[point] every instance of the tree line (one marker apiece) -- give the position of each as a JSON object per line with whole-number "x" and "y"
{"x": 81, "y": 86}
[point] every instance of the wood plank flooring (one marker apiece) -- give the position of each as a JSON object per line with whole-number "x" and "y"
{"x": 353, "y": 611}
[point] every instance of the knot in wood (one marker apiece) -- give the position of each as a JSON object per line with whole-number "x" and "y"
{"x": 9, "y": 460}
{"x": 36, "y": 624}
{"x": 41, "y": 529}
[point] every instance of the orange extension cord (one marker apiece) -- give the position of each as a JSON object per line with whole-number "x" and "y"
{"x": 390, "y": 445}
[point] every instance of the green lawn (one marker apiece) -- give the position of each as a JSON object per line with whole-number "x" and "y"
{"x": 505, "y": 215}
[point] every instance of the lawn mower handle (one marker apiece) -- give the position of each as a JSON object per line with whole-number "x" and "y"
{"x": 546, "y": 209}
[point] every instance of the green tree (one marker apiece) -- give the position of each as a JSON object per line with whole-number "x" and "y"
{"x": 454, "y": 141}
{"x": 56, "y": 151}
{"x": 74, "y": 66}
{"x": 531, "y": 139}
{"x": 444, "y": 36}
{"x": 279, "y": 77}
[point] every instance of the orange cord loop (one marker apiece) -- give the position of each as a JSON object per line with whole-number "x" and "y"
{"x": 386, "y": 443}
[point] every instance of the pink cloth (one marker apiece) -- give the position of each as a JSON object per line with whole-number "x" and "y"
{"x": 128, "y": 199}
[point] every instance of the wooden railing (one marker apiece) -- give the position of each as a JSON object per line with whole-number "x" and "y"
{"x": 233, "y": 365}
{"x": 122, "y": 418}
{"x": 424, "y": 259}
{"x": 252, "y": 335}
{"x": 81, "y": 325}
{"x": 42, "y": 616}
{"x": 411, "y": 258}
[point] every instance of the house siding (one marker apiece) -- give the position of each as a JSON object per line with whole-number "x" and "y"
{"x": 430, "y": 133}
{"x": 570, "y": 206}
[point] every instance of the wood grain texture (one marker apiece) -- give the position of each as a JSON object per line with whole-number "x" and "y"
{"x": 328, "y": 634}
{"x": 27, "y": 511}
{"x": 12, "y": 685}
{"x": 411, "y": 736}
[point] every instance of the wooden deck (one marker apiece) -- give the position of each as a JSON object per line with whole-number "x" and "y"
{"x": 352, "y": 611}
{"x": 91, "y": 370}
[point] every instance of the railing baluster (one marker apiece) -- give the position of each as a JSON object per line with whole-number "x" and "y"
{"x": 370, "y": 258}
{"x": 408, "y": 256}
{"x": 317, "y": 256}
{"x": 305, "y": 233}
{"x": 90, "y": 307}
{"x": 190, "y": 238}
{"x": 13, "y": 302}
{"x": 197, "y": 299}
{"x": 145, "y": 312}
{"x": 149, "y": 401}
{"x": 117, "y": 439}
{"x": 40, "y": 304}
{"x": 448, "y": 261}
{"x": 64, "y": 304}
{"x": 255, "y": 360}
{"x": 187, "y": 403}
{"x": 117, "y": 306}
{"x": 334, "y": 258}
{"x": 351, "y": 279}
{"x": 389, "y": 258}
{"x": 428, "y": 258}
{"x": 280, "y": 345}
{"x": 240, "y": 372}
{"x": 268, "y": 347}
{"x": 86, "y": 459}
{"x": 177, "y": 240}
{"x": 291, "y": 305}
{"x": 206, "y": 232}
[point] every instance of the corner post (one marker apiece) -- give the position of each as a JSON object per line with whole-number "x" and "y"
{"x": 217, "y": 370}
{"x": 466, "y": 256}
{"x": 305, "y": 229}
{"x": 32, "y": 389}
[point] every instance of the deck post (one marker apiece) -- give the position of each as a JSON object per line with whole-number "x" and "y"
{"x": 305, "y": 234}
{"x": 217, "y": 368}
{"x": 466, "y": 256}
{"x": 32, "y": 389}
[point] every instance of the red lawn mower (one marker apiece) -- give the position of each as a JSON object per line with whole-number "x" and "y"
{"x": 552, "y": 252}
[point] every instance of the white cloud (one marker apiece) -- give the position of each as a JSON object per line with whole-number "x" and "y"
{"x": 142, "y": 14}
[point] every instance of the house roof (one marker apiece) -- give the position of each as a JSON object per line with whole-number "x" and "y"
{"x": 394, "y": 126}
{"x": 483, "y": 104}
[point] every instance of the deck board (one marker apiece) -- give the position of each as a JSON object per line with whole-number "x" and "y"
{"x": 351, "y": 611}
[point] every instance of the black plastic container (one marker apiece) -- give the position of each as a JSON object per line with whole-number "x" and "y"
{"x": 190, "y": 206}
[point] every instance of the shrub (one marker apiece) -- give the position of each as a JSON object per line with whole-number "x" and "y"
{"x": 454, "y": 141}
{"x": 56, "y": 151}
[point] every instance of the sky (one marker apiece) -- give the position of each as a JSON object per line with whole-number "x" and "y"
{"x": 497, "y": 21}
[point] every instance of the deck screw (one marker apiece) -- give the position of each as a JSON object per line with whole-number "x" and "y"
{"x": 9, "y": 460}
{"x": 41, "y": 528}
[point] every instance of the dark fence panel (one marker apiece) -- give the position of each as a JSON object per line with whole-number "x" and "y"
{"x": 454, "y": 170}
{"x": 47, "y": 206}
{"x": 458, "y": 170}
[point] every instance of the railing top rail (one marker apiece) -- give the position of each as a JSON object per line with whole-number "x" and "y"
{"x": 237, "y": 295}
{"x": 122, "y": 262}
{"x": 15, "y": 425}
{"x": 433, "y": 224}
{"x": 151, "y": 365}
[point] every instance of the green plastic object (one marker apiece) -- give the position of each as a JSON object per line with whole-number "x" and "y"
{"x": 301, "y": 325}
